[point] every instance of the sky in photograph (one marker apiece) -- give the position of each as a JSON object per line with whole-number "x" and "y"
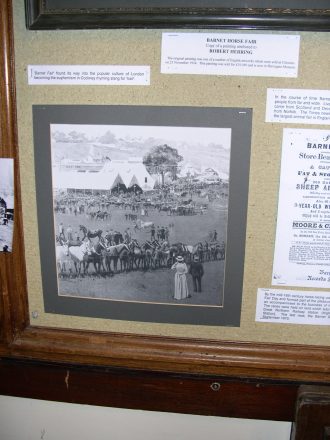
{"x": 200, "y": 147}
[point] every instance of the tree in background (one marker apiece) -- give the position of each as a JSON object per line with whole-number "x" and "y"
{"x": 108, "y": 138}
{"x": 161, "y": 160}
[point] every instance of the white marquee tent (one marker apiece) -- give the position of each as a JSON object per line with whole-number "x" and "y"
{"x": 112, "y": 175}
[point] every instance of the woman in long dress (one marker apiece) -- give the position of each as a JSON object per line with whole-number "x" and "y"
{"x": 180, "y": 279}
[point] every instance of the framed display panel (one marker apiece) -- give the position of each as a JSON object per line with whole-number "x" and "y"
{"x": 133, "y": 226}
{"x": 52, "y": 359}
{"x": 253, "y": 14}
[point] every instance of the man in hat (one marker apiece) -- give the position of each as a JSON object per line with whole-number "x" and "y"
{"x": 196, "y": 270}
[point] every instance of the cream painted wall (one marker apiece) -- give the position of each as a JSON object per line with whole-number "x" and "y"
{"x": 27, "y": 419}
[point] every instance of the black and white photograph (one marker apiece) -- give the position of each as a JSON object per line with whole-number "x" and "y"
{"x": 6, "y": 204}
{"x": 140, "y": 212}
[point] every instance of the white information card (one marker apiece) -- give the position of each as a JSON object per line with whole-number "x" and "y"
{"x": 230, "y": 54}
{"x": 301, "y": 106}
{"x": 302, "y": 245}
{"x": 293, "y": 307}
{"x": 88, "y": 75}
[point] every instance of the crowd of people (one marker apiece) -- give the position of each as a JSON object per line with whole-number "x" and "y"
{"x": 179, "y": 199}
{"x": 143, "y": 234}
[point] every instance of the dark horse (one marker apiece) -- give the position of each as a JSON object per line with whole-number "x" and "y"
{"x": 114, "y": 238}
{"x": 90, "y": 234}
{"x": 137, "y": 255}
{"x": 95, "y": 256}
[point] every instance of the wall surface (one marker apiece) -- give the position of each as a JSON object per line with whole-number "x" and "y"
{"x": 26, "y": 419}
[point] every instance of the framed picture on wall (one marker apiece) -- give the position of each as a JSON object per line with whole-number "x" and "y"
{"x": 145, "y": 211}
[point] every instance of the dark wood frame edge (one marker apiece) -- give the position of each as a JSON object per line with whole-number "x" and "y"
{"x": 178, "y": 355}
{"x": 38, "y": 17}
{"x": 52, "y": 350}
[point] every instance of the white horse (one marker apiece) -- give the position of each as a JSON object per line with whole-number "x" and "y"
{"x": 78, "y": 255}
{"x": 63, "y": 259}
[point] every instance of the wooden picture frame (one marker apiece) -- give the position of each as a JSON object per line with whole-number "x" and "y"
{"x": 198, "y": 376}
{"x": 256, "y": 14}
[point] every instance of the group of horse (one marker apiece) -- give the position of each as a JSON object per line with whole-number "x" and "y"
{"x": 75, "y": 260}
{"x": 100, "y": 215}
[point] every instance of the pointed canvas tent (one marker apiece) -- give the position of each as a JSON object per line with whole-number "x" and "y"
{"x": 112, "y": 175}
{"x": 118, "y": 181}
{"x": 134, "y": 181}
{"x": 132, "y": 172}
{"x": 118, "y": 184}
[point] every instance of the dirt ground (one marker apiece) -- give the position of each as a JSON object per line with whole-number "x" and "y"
{"x": 156, "y": 286}
{"x": 152, "y": 285}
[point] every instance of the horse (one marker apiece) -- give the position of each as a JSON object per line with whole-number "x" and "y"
{"x": 138, "y": 256}
{"x": 123, "y": 255}
{"x": 114, "y": 253}
{"x": 155, "y": 253}
{"x": 161, "y": 254}
{"x": 111, "y": 255}
{"x": 160, "y": 257}
{"x": 114, "y": 237}
{"x": 90, "y": 234}
{"x": 94, "y": 255}
{"x": 180, "y": 249}
{"x": 148, "y": 249}
{"x": 78, "y": 255}
{"x": 102, "y": 215}
{"x": 197, "y": 249}
{"x": 63, "y": 259}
